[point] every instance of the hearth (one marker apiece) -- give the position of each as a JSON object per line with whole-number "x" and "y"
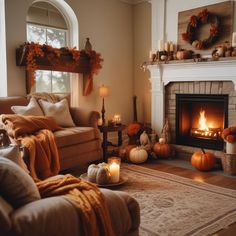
{"x": 200, "y": 120}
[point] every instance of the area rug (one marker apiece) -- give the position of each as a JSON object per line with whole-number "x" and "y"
{"x": 173, "y": 205}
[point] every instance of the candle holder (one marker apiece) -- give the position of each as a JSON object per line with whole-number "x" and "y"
{"x": 114, "y": 169}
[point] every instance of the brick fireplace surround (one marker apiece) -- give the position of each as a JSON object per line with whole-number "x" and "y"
{"x": 167, "y": 80}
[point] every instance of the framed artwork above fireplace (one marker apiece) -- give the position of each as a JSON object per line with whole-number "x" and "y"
{"x": 200, "y": 120}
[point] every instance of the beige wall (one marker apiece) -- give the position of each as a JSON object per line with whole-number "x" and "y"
{"x": 142, "y": 46}
{"x": 109, "y": 25}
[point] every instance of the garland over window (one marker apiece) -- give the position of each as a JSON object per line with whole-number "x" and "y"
{"x": 204, "y": 17}
{"x": 36, "y": 56}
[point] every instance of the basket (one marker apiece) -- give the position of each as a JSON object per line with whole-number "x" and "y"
{"x": 229, "y": 163}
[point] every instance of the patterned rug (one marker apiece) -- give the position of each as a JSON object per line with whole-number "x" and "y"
{"x": 173, "y": 205}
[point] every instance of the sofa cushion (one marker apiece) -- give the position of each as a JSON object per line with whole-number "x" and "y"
{"x": 5, "y": 211}
{"x": 75, "y": 135}
{"x": 12, "y": 152}
{"x": 59, "y": 111}
{"x": 17, "y": 187}
{"x": 32, "y": 109}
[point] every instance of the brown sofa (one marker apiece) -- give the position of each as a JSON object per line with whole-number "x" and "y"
{"x": 76, "y": 145}
{"x": 24, "y": 213}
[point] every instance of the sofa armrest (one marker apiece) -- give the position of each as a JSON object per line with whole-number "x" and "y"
{"x": 125, "y": 213}
{"x": 84, "y": 117}
{"x": 49, "y": 216}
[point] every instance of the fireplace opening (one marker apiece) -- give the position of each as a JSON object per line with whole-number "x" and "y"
{"x": 200, "y": 120}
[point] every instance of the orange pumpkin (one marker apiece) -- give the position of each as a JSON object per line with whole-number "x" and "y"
{"x": 133, "y": 129}
{"x": 162, "y": 150}
{"x": 203, "y": 160}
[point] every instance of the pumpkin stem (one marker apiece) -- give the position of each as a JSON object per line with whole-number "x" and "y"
{"x": 203, "y": 151}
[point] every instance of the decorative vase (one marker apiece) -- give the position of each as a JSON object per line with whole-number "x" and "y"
{"x": 230, "y": 148}
{"x": 88, "y": 45}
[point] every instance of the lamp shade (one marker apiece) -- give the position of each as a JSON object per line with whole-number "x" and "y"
{"x": 103, "y": 91}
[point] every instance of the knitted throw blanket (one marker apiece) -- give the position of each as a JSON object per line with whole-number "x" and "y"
{"x": 86, "y": 197}
{"x": 35, "y": 133}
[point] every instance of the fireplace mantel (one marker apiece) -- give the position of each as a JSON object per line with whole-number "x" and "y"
{"x": 163, "y": 74}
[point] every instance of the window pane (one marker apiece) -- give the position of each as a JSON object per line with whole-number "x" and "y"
{"x": 60, "y": 82}
{"x": 56, "y": 38}
{"x": 43, "y": 81}
{"x": 36, "y": 34}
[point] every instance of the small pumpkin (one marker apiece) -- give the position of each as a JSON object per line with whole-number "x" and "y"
{"x": 162, "y": 150}
{"x": 98, "y": 173}
{"x": 138, "y": 155}
{"x": 184, "y": 54}
{"x": 133, "y": 129}
{"x": 203, "y": 160}
{"x": 103, "y": 175}
{"x": 92, "y": 173}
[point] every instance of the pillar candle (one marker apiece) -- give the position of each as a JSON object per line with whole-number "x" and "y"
{"x": 166, "y": 46}
{"x": 171, "y": 47}
{"x": 114, "y": 169}
{"x": 160, "y": 45}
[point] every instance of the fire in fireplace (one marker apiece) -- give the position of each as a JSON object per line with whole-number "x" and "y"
{"x": 200, "y": 120}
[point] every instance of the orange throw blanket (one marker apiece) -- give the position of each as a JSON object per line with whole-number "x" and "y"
{"x": 35, "y": 133}
{"x": 89, "y": 201}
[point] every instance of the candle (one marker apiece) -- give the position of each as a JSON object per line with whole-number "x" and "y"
{"x": 100, "y": 121}
{"x": 171, "y": 47}
{"x": 160, "y": 45}
{"x": 117, "y": 119}
{"x": 150, "y": 55}
{"x": 114, "y": 169}
{"x": 166, "y": 46}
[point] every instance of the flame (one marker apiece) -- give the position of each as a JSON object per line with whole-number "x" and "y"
{"x": 203, "y": 121}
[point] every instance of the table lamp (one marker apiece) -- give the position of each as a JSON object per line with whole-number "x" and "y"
{"x": 103, "y": 92}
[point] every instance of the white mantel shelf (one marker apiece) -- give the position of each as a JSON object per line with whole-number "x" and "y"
{"x": 162, "y": 74}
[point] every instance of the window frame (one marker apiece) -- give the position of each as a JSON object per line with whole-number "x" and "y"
{"x": 45, "y": 27}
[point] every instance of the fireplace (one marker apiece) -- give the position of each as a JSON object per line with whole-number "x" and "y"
{"x": 200, "y": 120}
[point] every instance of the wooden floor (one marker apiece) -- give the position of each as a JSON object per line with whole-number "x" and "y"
{"x": 207, "y": 177}
{"x": 219, "y": 180}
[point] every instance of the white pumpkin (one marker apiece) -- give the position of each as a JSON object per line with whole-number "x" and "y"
{"x": 162, "y": 140}
{"x": 144, "y": 138}
{"x": 98, "y": 173}
{"x": 138, "y": 155}
{"x": 92, "y": 172}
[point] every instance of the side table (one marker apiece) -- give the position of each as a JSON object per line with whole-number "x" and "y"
{"x": 105, "y": 129}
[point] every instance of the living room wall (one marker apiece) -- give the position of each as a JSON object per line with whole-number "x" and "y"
{"x": 109, "y": 25}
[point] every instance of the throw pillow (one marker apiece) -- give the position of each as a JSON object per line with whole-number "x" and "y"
{"x": 17, "y": 187}
{"x": 13, "y": 153}
{"x": 32, "y": 109}
{"x": 59, "y": 111}
{"x": 5, "y": 211}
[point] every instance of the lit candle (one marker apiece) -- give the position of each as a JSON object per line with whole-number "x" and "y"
{"x": 160, "y": 45}
{"x": 166, "y": 46}
{"x": 150, "y": 55}
{"x": 114, "y": 169}
{"x": 100, "y": 121}
{"x": 117, "y": 119}
{"x": 171, "y": 47}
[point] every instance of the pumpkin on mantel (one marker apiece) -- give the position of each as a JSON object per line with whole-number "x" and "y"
{"x": 203, "y": 160}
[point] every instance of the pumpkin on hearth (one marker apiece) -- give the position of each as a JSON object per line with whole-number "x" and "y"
{"x": 203, "y": 160}
{"x": 138, "y": 155}
{"x": 162, "y": 149}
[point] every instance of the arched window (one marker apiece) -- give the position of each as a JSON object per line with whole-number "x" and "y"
{"x": 63, "y": 14}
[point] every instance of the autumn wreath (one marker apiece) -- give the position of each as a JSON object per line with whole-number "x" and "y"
{"x": 204, "y": 17}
